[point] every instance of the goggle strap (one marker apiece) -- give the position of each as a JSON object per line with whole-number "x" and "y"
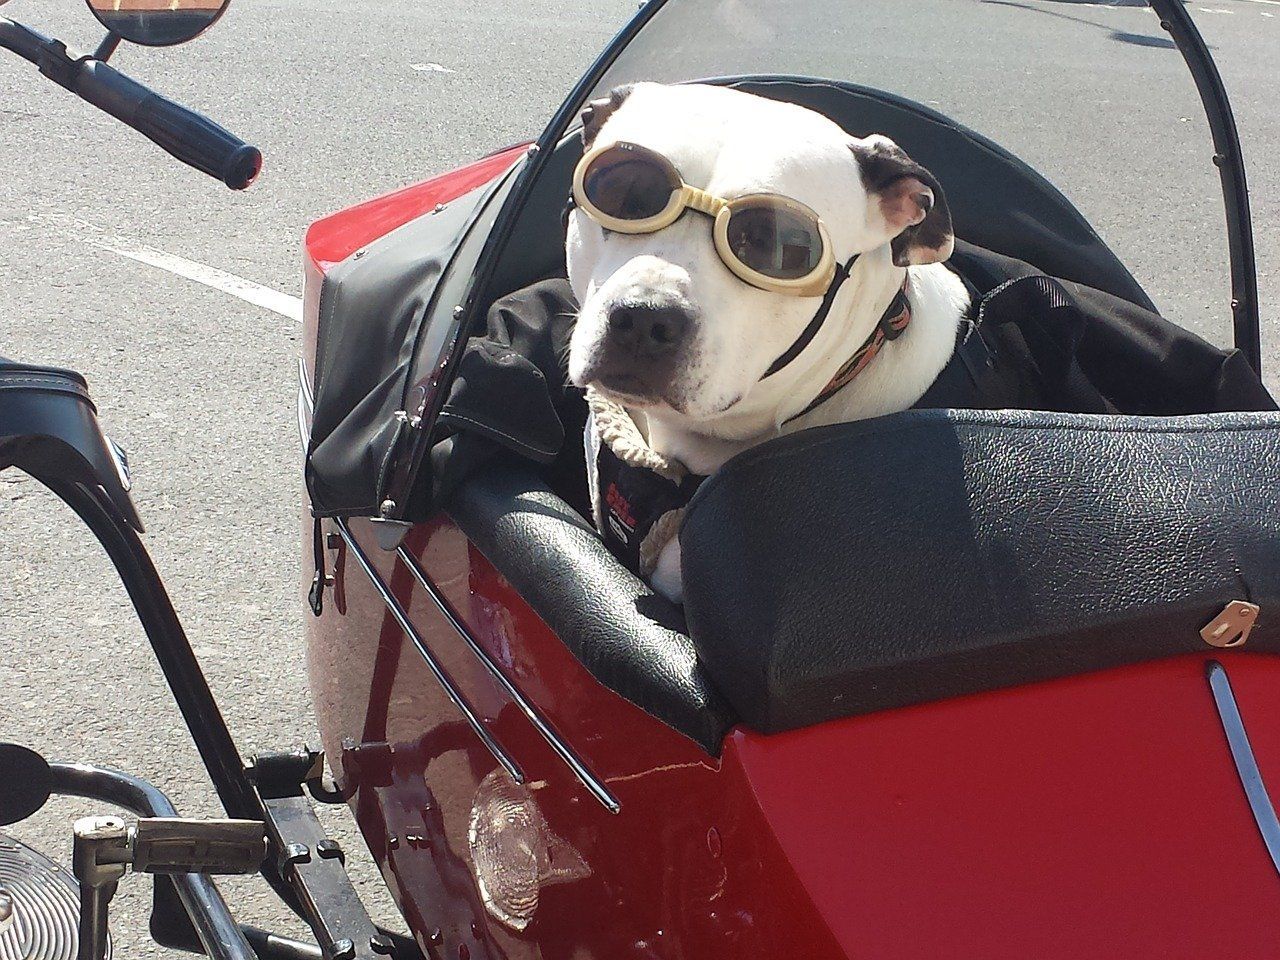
{"x": 811, "y": 331}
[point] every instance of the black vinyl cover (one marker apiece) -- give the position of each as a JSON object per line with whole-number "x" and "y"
{"x": 1041, "y": 343}
{"x": 935, "y": 553}
{"x": 372, "y": 311}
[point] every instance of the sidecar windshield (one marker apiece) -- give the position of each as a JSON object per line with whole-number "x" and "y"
{"x": 1095, "y": 97}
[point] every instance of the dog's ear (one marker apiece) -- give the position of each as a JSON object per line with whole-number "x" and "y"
{"x": 907, "y": 199}
{"x": 595, "y": 113}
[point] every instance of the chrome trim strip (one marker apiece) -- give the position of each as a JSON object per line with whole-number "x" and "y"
{"x": 544, "y": 728}
{"x": 1264, "y": 812}
{"x": 304, "y": 384}
{"x": 304, "y": 428}
{"x": 402, "y": 618}
{"x": 306, "y": 406}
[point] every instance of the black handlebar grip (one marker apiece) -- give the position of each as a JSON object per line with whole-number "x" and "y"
{"x": 185, "y": 134}
{"x": 198, "y": 141}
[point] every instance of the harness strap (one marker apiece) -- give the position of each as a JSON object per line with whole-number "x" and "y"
{"x": 811, "y": 331}
{"x": 892, "y": 323}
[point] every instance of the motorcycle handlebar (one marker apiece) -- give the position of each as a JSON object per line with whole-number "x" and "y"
{"x": 185, "y": 134}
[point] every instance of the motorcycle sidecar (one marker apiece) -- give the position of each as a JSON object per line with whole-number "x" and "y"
{"x": 976, "y": 684}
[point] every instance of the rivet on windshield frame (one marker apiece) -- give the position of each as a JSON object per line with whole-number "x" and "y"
{"x": 439, "y": 207}
{"x": 533, "y": 148}
{"x": 387, "y": 507}
{"x": 458, "y": 311}
{"x": 360, "y": 253}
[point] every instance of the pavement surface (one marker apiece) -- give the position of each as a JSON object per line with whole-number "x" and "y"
{"x": 351, "y": 98}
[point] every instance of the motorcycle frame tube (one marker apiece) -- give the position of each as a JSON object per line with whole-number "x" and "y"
{"x": 169, "y": 642}
{"x": 177, "y": 660}
{"x": 218, "y": 931}
{"x": 1173, "y": 17}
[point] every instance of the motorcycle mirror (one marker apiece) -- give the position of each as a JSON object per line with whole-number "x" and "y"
{"x": 157, "y": 23}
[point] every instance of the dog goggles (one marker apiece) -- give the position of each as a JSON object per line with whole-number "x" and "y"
{"x": 769, "y": 241}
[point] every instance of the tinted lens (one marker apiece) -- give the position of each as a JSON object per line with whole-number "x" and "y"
{"x": 775, "y": 240}
{"x": 629, "y": 184}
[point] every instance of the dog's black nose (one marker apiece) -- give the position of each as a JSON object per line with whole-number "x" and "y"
{"x": 650, "y": 330}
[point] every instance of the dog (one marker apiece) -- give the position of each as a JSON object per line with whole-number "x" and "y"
{"x": 711, "y": 326}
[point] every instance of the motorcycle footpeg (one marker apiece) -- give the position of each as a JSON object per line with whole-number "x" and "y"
{"x": 179, "y": 845}
{"x": 106, "y": 845}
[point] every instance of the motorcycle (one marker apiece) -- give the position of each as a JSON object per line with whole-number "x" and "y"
{"x": 983, "y": 683}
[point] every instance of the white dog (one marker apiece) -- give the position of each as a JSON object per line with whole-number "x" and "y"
{"x": 716, "y": 323}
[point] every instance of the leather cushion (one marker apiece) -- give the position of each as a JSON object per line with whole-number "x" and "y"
{"x": 631, "y": 640}
{"x": 872, "y": 565}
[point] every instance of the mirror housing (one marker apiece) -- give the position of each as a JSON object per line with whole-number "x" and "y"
{"x": 157, "y": 23}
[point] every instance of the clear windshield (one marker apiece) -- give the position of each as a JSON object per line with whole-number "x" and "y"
{"x": 1095, "y": 97}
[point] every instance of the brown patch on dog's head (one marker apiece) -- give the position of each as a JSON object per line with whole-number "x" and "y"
{"x": 911, "y": 201}
{"x": 595, "y": 113}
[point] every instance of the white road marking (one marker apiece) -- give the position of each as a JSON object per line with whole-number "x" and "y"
{"x": 255, "y": 293}
{"x": 430, "y": 68}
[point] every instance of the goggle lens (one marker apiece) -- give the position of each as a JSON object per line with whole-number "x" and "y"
{"x": 774, "y": 240}
{"x": 629, "y": 185}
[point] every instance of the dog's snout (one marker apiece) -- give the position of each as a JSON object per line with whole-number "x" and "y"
{"x": 649, "y": 329}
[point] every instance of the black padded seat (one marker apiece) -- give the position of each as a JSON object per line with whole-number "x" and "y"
{"x": 631, "y": 640}
{"x": 49, "y": 428}
{"x": 929, "y": 554}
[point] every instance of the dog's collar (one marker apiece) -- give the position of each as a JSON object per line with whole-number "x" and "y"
{"x": 892, "y": 323}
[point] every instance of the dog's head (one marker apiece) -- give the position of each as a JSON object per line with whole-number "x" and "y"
{"x": 664, "y": 324}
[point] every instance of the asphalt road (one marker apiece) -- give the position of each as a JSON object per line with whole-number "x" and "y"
{"x": 350, "y": 98}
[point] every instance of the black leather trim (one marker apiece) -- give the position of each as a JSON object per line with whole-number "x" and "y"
{"x": 630, "y": 640}
{"x": 30, "y": 377}
{"x": 872, "y": 565}
{"x": 49, "y": 428}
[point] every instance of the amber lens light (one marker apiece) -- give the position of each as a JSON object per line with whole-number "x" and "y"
{"x": 628, "y": 184}
{"x": 775, "y": 240}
